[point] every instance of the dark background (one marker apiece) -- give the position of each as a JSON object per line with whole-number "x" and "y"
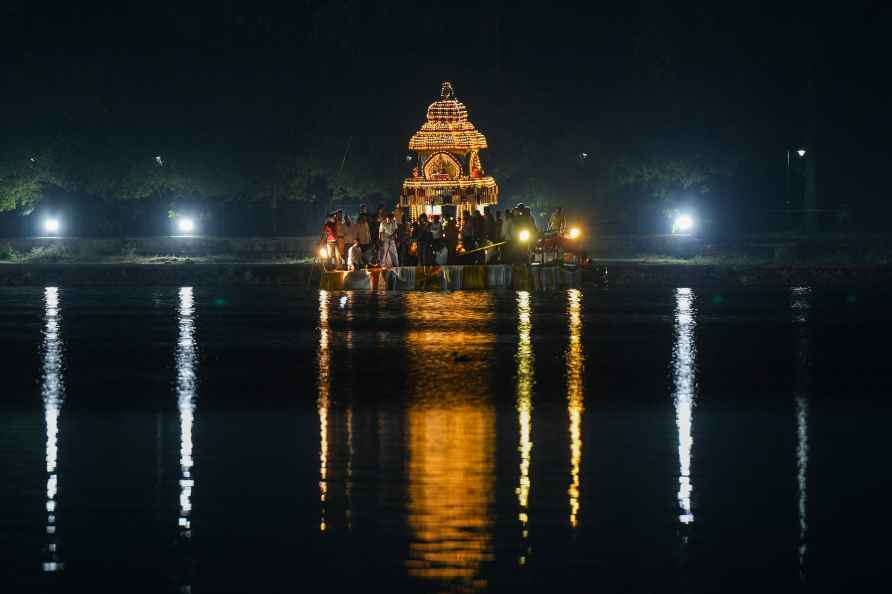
{"x": 689, "y": 105}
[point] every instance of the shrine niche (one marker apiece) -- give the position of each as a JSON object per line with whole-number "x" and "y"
{"x": 442, "y": 166}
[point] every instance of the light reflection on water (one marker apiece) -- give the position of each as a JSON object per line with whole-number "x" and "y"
{"x": 322, "y": 403}
{"x": 348, "y": 488}
{"x": 53, "y": 392}
{"x": 463, "y": 514}
{"x": 186, "y": 391}
{"x": 186, "y": 388}
{"x": 575, "y": 397}
{"x": 525, "y": 362}
{"x": 800, "y": 306}
{"x": 684, "y": 359}
{"x": 451, "y": 443}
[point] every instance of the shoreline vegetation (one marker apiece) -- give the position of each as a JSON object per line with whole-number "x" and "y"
{"x": 63, "y": 257}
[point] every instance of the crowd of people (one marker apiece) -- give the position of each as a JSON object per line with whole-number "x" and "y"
{"x": 390, "y": 238}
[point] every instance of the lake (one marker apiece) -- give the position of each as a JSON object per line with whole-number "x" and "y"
{"x": 272, "y": 440}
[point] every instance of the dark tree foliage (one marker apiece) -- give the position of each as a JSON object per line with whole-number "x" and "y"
{"x": 601, "y": 109}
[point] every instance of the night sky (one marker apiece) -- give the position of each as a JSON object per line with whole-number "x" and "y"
{"x": 730, "y": 87}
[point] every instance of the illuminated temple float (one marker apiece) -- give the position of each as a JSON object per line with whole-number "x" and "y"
{"x": 448, "y": 177}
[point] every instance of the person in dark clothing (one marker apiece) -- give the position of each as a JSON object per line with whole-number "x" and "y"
{"x": 489, "y": 232}
{"x": 423, "y": 240}
{"x": 530, "y": 222}
{"x": 468, "y": 236}
{"x": 403, "y": 237}
{"x": 523, "y": 221}
{"x": 499, "y": 237}
{"x": 375, "y": 220}
{"x": 480, "y": 234}
{"x": 451, "y": 239}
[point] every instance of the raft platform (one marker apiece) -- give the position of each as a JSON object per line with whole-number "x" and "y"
{"x": 517, "y": 277}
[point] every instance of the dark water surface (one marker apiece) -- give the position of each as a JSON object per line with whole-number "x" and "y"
{"x": 177, "y": 440}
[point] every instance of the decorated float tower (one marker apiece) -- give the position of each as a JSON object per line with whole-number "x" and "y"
{"x": 448, "y": 174}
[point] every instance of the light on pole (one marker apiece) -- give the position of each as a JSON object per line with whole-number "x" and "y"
{"x": 185, "y": 225}
{"x": 51, "y": 226}
{"x": 801, "y": 152}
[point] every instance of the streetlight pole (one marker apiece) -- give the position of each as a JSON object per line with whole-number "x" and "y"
{"x": 801, "y": 152}
{"x": 787, "y": 182}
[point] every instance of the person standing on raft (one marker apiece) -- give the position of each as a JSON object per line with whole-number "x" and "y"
{"x": 387, "y": 234}
{"x": 329, "y": 236}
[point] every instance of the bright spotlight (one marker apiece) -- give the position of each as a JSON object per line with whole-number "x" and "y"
{"x": 575, "y": 232}
{"x": 323, "y": 253}
{"x": 801, "y": 152}
{"x": 684, "y": 223}
{"x": 524, "y": 235}
{"x": 51, "y": 225}
{"x": 185, "y": 225}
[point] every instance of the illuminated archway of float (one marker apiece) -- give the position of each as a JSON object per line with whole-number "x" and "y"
{"x": 475, "y": 169}
{"x": 451, "y": 439}
{"x": 442, "y": 166}
{"x": 448, "y": 150}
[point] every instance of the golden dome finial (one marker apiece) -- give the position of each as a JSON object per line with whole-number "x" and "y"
{"x": 447, "y": 92}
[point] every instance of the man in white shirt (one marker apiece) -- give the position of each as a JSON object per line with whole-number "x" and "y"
{"x": 441, "y": 254}
{"x": 354, "y": 256}
{"x": 557, "y": 221}
{"x": 436, "y": 229}
{"x": 387, "y": 235}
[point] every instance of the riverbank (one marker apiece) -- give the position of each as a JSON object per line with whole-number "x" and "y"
{"x": 610, "y": 274}
{"x": 644, "y": 274}
{"x": 184, "y": 272}
{"x": 757, "y": 250}
{"x": 146, "y": 250}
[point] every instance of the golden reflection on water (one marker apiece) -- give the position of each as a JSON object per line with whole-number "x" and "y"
{"x": 322, "y": 402}
{"x": 684, "y": 359}
{"x": 347, "y": 303}
{"x": 186, "y": 355}
{"x": 52, "y": 389}
{"x": 575, "y": 398}
{"x": 524, "y": 359}
{"x": 451, "y": 438}
{"x": 801, "y": 308}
